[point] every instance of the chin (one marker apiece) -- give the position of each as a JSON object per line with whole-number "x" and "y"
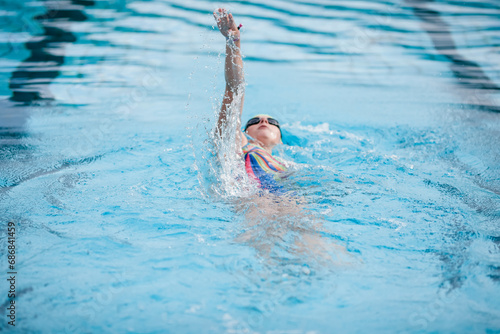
{"x": 265, "y": 139}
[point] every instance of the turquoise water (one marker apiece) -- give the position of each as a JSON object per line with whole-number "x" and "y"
{"x": 390, "y": 113}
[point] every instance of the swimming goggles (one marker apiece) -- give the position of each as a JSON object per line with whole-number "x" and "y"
{"x": 256, "y": 120}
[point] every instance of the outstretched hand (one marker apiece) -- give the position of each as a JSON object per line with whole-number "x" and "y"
{"x": 226, "y": 24}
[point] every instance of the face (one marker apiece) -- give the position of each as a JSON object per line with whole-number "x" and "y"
{"x": 266, "y": 133}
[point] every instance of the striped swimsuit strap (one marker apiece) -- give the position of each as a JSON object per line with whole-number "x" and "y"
{"x": 262, "y": 158}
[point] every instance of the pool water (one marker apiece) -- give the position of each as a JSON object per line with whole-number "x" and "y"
{"x": 126, "y": 222}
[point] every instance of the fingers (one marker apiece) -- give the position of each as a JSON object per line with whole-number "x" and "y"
{"x": 220, "y": 13}
{"x": 225, "y": 20}
{"x": 220, "y": 17}
{"x": 217, "y": 14}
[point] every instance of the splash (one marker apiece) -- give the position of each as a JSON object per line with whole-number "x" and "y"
{"x": 218, "y": 160}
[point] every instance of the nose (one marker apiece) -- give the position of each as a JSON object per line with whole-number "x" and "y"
{"x": 263, "y": 120}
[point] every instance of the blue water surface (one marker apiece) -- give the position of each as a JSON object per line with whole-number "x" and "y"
{"x": 390, "y": 112}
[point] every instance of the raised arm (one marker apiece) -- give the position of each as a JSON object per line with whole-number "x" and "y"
{"x": 233, "y": 71}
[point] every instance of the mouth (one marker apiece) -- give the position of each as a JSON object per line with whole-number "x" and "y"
{"x": 262, "y": 126}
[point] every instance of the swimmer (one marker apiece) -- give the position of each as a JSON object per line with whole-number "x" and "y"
{"x": 261, "y": 134}
{"x": 263, "y": 131}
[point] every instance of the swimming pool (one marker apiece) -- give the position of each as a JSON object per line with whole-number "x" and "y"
{"x": 389, "y": 109}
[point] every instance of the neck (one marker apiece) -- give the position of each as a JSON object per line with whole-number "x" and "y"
{"x": 268, "y": 149}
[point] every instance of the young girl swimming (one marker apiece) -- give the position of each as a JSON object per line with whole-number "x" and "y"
{"x": 263, "y": 131}
{"x": 272, "y": 216}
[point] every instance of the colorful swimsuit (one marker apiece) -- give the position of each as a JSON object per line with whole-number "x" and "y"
{"x": 263, "y": 167}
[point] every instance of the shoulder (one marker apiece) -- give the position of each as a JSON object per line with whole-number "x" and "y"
{"x": 249, "y": 147}
{"x": 244, "y": 139}
{"x": 284, "y": 162}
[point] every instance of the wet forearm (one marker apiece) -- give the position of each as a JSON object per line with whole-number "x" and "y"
{"x": 234, "y": 65}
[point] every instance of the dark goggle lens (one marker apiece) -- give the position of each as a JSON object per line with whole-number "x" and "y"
{"x": 274, "y": 122}
{"x": 253, "y": 121}
{"x": 256, "y": 120}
